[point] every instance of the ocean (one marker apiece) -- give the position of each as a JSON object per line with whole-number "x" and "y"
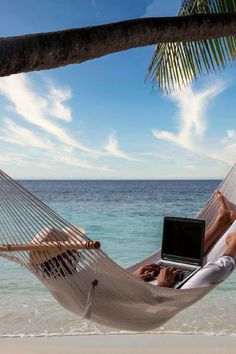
{"x": 127, "y": 218}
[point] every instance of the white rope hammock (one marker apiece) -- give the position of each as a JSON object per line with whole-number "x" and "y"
{"x": 80, "y": 276}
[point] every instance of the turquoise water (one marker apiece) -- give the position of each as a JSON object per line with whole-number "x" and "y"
{"x": 126, "y": 216}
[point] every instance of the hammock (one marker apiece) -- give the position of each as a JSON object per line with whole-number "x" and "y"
{"x": 85, "y": 280}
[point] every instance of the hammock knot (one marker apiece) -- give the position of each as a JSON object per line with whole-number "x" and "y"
{"x": 95, "y": 282}
{"x": 90, "y": 299}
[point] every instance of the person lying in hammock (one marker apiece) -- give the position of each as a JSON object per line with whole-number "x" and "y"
{"x": 212, "y": 272}
{"x": 55, "y": 263}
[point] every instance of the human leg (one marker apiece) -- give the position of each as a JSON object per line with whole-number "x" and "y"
{"x": 224, "y": 219}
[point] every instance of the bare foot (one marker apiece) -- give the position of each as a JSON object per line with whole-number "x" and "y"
{"x": 225, "y": 212}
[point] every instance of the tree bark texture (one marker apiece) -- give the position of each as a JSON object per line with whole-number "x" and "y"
{"x": 50, "y": 50}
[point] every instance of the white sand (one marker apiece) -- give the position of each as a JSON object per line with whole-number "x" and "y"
{"x": 114, "y": 344}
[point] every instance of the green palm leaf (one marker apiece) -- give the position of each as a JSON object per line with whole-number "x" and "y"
{"x": 175, "y": 65}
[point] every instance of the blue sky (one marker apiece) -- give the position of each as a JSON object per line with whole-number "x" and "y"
{"x": 99, "y": 119}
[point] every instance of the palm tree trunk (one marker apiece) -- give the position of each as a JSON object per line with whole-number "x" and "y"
{"x": 50, "y": 50}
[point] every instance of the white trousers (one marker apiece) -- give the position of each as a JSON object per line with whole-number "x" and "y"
{"x": 212, "y": 273}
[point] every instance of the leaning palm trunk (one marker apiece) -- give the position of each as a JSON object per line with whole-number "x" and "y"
{"x": 50, "y": 50}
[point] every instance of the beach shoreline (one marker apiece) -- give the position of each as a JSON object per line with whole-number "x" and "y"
{"x": 121, "y": 343}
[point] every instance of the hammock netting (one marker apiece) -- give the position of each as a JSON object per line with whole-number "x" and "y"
{"x": 86, "y": 281}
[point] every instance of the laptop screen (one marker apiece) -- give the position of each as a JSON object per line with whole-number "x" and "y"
{"x": 183, "y": 240}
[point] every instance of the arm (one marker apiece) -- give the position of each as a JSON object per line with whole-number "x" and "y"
{"x": 214, "y": 273}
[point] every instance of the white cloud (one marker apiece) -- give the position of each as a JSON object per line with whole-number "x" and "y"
{"x": 44, "y": 165}
{"x": 67, "y": 157}
{"x": 192, "y": 126}
{"x": 157, "y": 154}
{"x": 58, "y": 155}
{"x": 41, "y": 139}
{"x": 230, "y": 136}
{"x": 152, "y": 9}
{"x": 112, "y": 148}
{"x": 231, "y": 133}
{"x": 227, "y": 153}
{"x": 16, "y": 134}
{"x": 56, "y": 103}
{"x": 192, "y": 121}
{"x": 27, "y": 103}
{"x": 94, "y": 4}
{"x": 190, "y": 167}
{"x": 13, "y": 159}
{"x": 35, "y": 109}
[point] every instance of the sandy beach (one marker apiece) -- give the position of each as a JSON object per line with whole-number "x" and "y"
{"x": 115, "y": 344}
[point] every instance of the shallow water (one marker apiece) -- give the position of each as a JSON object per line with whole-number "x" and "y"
{"x": 127, "y": 213}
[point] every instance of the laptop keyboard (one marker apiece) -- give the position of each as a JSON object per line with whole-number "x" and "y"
{"x": 184, "y": 272}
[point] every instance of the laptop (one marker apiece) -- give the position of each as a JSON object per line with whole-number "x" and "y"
{"x": 182, "y": 247}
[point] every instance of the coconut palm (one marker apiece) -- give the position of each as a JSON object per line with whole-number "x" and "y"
{"x": 177, "y": 64}
{"x": 172, "y": 64}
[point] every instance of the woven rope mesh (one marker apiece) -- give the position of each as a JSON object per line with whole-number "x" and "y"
{"x": 24, "y": 219}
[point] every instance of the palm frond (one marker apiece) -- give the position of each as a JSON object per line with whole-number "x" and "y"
{"x": 175, "y": 65}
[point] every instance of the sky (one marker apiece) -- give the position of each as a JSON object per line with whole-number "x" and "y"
{"x": 100, "y": 119}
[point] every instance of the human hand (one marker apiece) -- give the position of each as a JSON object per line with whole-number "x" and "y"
{"x": 147, "y": 272}
{"x": 167, "y": 276}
